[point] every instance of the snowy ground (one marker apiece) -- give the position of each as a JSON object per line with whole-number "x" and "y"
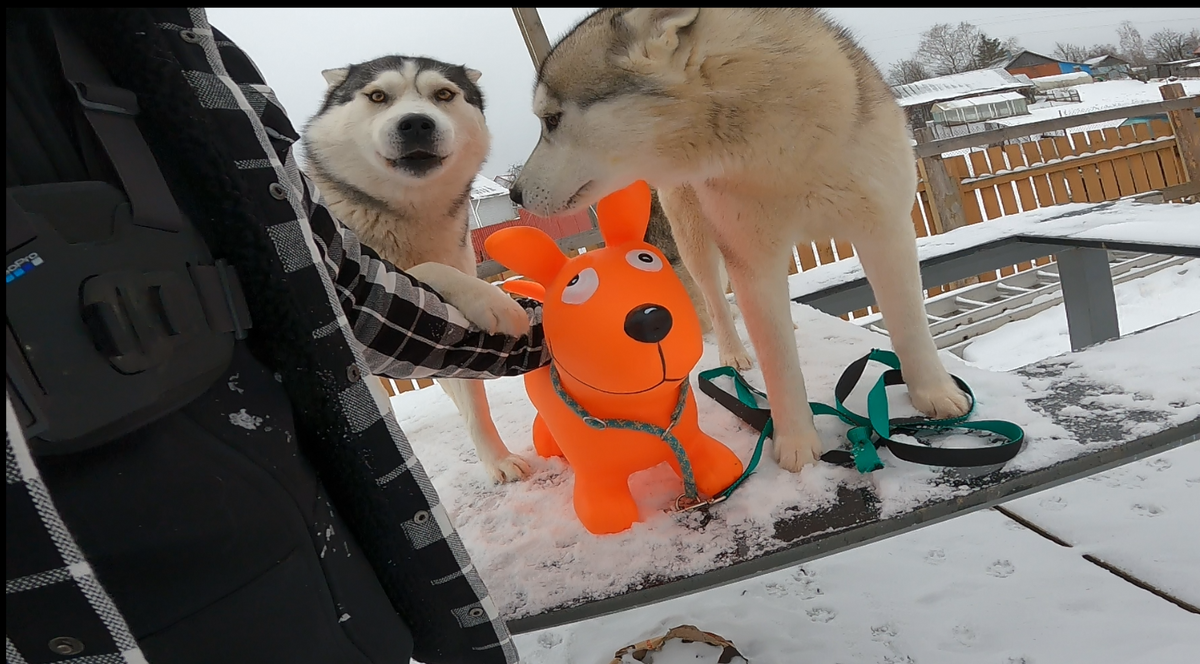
{"x": 1100, "y": 96}
{"x": 978, "y": 588}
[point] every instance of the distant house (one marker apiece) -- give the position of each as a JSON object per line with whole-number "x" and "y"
{"x": 491, "y": 209}
{"x": 1186, "y": 68}
{"x": 1108, "y": 67}
{"x": 917, "y": 99}
{"x": 1035, "y": 65}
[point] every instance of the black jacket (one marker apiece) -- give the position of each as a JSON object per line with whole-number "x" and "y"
{"x": 194, "y": 528}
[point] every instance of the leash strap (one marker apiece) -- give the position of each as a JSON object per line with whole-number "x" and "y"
{"x": 685, "y": 464}
{"x": 876, "y": 429}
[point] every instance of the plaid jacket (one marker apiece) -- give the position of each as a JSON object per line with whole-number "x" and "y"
{"x": 367, "y": 318}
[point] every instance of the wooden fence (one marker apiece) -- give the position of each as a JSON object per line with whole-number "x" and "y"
{"x": 1015, "y": 169}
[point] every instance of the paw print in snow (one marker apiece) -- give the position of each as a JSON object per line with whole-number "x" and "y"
{"x": 1001, "y": 569}
{"x": 935, "y": 557}
{"x": 1148, "y": 509}
{"x": 1053, "y": 503}
{"x": 821, "y": 615}
{"x": 549, "y": 640}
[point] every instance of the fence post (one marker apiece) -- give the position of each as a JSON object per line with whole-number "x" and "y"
{"x": 945, "y": 198}
{"x": 535, "y": 35}
{"x": 1187, "y": 132}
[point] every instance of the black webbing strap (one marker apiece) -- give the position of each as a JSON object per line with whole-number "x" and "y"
{"x": 110, "y": 111}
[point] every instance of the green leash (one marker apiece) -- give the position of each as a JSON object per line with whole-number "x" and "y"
{"x": 876, "y": 429}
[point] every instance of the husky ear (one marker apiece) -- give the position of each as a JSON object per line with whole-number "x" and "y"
{"x": 335, "y": 77}
{"x": 473, "y": 74}
{"x": 658, "y": 27}
{"x": 528, "y": 251}
{"x": 625, "y": 214}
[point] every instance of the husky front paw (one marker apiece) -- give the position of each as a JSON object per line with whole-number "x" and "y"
{"x": 493, "y": 311}
{"x": 735, "y": 356}
{"x": 511, "y": 468}
{"x": 796, "y": 451}
{"x": 943, "y": 401}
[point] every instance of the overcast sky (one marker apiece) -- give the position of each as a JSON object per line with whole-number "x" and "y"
{"x": 292, "y": 46}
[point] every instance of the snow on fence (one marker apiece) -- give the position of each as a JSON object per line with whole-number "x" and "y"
{"x": 1012, "y": 170}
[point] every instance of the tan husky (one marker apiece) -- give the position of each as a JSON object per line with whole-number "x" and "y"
{"x": 760, "y": 128}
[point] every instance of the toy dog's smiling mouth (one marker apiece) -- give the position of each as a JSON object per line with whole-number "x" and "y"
{"x": 662, "y": 364}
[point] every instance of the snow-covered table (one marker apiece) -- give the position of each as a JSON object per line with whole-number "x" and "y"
{"x": 1109, "y": 404}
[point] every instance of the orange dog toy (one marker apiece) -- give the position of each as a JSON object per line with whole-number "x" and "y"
{"x": 624, "y": 337}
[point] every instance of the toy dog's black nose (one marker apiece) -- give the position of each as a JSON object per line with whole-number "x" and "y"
{"x": 515, "y": 195}
{"x": 648, "y": 323}
{"x": 417, "y": 128}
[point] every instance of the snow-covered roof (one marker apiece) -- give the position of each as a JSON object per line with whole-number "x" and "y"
{"x": 980, "y": 81}
{"x": 1069, "y": 76}
{"x": 1101, "y": 58}
{"x": 483, "y": 187}
{"x": 980, "y": 101}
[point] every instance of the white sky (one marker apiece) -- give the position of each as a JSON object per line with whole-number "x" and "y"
{"x": 292, "y": 46}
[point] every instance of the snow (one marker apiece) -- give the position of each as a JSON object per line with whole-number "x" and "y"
{"x": 956, "y": 85}
{"x": 1099, "y": 96}
{"x": 482, "y": 187}
{"x": 978, "y": 587}
{"x": 1141, "y": 303}
{"x": 533, "y": 553}
{"x": 980, "y": 101}
{"x": 1125, "y": 220}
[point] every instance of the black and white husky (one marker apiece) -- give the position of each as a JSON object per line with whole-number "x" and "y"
{"x": 394, "y": 150}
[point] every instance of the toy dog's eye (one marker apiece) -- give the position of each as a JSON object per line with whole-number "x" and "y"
{"x": 581, "y": 287}
{"x": 644, "y": 260}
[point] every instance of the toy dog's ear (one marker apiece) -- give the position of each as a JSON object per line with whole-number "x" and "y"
{"x": 526, "y": 250}
{"x": 624, "y": 214}
{"x": 523, "y": 288}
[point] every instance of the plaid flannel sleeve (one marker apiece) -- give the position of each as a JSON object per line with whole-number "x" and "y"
{"x": 405, "y": 327}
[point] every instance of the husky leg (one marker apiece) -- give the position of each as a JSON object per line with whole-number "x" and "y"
{"x": 889, "y": 259}
{"x": 471, "y": 399}
{"x": 760, "y": 284}
{"x": 700, "y": 255}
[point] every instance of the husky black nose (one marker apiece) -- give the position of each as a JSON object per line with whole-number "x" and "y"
{"x": 416, "y": 127}
{"x": 517, "y": 198}
{"x": 648, "y": 323}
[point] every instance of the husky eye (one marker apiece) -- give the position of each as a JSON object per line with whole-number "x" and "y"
{"x": 581, "y": 287}
{"x": 378, "y": 96}
{"x": 552, "y": 121}
{"x": 643, "y": 260}
{"x": 445, "y": 94}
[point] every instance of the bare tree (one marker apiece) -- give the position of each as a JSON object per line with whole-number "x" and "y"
{"x": 1167, "y": 45}
{"x": 1070, "y": 52}
{"x": 508, "y": 177}
{"x": 948, "y": 49}
{"x": 1133, "y": 48}
{"x": 909, "y": 70}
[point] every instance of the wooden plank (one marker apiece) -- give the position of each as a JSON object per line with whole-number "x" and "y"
{"x": 1078, "y": 192}
{"x": 1186, "y": 127}
{"x": 1008, "y": 202}
{"x": 1016, "y": 157}
{"x": 991, "y": 202}
{"x": 1108, "y": 176}
{"x": 387, "y": 386}
{"x": 1091, "y": 177}
{"x": 918, "y": 218}
{"x": 1120, "y": 165}
{"x": 423, "y": 382}
{"x": 534, "y": 34}
{"x": 1154, "y": 171}
{"x": 403, "y": 386}
{"x": 1137, "y": 165}
{"x": 1055, "y": 124}
{"x": 844, "y": 249}
{"x": 957, "y": 166}
{"x": 1058, "y": 178}
{"x": 942, "y": 189}
{"x": 825, "y": 252}
{"x": 808, "y": 260}
{"x": 1072, "y": 161}
{"x": 1041, "y": 184}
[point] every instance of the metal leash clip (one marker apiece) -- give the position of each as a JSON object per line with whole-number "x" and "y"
{"x": 685, "y": 504}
